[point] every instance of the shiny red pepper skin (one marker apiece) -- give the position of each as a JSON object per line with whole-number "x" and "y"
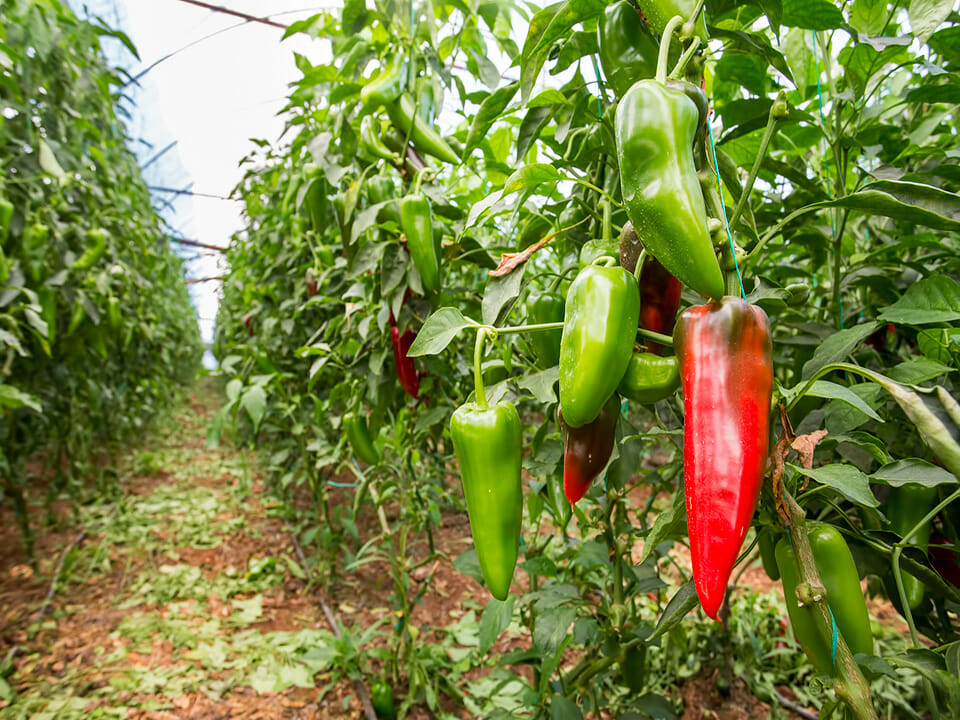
{"x": 587, "y": 449}
{"x": 726, "y": 368}
{"x": 406, "y": 369}
{"x": 659, "y": 300}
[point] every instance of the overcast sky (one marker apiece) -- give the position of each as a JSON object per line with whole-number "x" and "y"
{"x": 214, "y": 96}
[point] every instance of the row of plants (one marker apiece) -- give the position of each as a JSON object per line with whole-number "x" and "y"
{"x": 96, "y": 328}
{"x": 781, "y": 172}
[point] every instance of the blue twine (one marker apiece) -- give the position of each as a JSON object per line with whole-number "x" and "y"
{"x": 834, "y": 623}
{"x": 723, "y": 210}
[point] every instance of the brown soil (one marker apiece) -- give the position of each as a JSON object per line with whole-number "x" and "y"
{"x": 73, "y": 646}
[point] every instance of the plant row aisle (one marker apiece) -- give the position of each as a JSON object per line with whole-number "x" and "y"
{"x": 96, "y": 328}
{"x": 505, "y": 257}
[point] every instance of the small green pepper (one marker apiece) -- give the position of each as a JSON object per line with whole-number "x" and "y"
{"x": 546, "y": 308}
{"x": 359, "y": 438}
{"x": 650, "y": 378}
{"x": 416, "y": 221}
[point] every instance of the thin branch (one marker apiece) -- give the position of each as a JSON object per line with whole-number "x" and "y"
{"x": 194, "y": 281}
{"x": 236, "y": 13}
{"x": 175, "y": 191}
{"x": 194, "y": 243}
{"x": 45, "y": 607}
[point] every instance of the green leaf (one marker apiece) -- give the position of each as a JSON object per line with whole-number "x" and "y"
{"x": 254, "y": 401}
{"x": 811, "y": 14}
{"x": 552, "y": 627}
{"x": 837, "y": 347}
{"x": 548, "y": 97}
{"x": 562, "y": 708}
{"x": 530, "y": 127}
{"x": 495, "y": 619}
{"x": 918, "y": 370}
{"x": 48, "y": 161}
{"x": 438, "y": 331}
{"x": 468, "y": 564}
{"x": 847, "y": 480}
{"x": 655, "y": 706}
{"x": 910, "y": 202}
{"x": 935, "y": 299}
{"x": 666, "y": 524}
{"x": 681, "y": 604}
{"x": 541, "y": 384}
{"x": 530, "y": 177}
{"x": 499, "y": 292}
{"x": 913, "y": 470}
{"x": 490, "y": 110}
{"x": 11, "y": 397}
{"x": 562, "y": 18}
{"x": 832, "y": 391}
{"x": 927, "y": 15}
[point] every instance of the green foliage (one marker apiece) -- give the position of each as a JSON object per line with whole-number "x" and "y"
{"x": 835, "y": 152}
{"x": 96, "y": 328}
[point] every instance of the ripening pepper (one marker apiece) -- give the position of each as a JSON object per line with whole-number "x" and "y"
{"x": 386, "y": 86}
{"x": 416, "y": 221}
{"x": 907, "y": 506}
{"x": 838, "y": 572}
{"x": 600, "y": 325}
{"x": 655, "y": 130}
{"x": 586, "y": 449}
{"x": 659, "y": 290}
{"x": 650, "y": 378}
{"x": 726, "y": 368}
{"x": 358, "y": 435}
{"x": 487, "y": 442}
{"x": 424, "y": 138}
{"x": 628, "y": 50}
{"x": 546, "y": 308}
{"x": 406, "y": 369}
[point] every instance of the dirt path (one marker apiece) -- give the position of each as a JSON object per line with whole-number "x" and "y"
{"x": 183, "y": 597}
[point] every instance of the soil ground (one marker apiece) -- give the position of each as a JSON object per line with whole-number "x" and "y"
{"x": 184, "y": 597}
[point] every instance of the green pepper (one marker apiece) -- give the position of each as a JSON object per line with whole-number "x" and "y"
{"x": 34, "y": 248}
{"x": 371, "y": 142}
{"x": 593, "y": 249}
{"x": 767, "y": 542}
{"x": 659, "y": 12}
{"x": 381, "y": 697}
{"x": 487, "y": 442}
{"x": 546, "y": 308}
{"x": 600, "y": 325}
{"x": 359, "y": 438}
{"x": 655, "y": 129}
{"x": 96, "y": 245}
{"x": 387, "y": 86}
{"x": 650, "y": 378}
{"x": 114, "y": 317}
{"x": 6, "y": 215}
{"x": 381, "y": 190}
{"x": 424, "y": 138}
{"x": 628, "y": 50}
{"x": 4, "y": 267}
{"x": 907, "y": 506}
{"x": 844, "y": 596}
{"x": 633, "y": 668}
{"x": 76, "y": 317}
{"x": 416, "y": 221}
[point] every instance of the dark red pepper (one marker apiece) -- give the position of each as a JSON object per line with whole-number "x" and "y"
{"x": 406, "y": 369}
{"x": 726, "y": 368}
{"x": 587, "y": 449}
{"x": 659, "y": 300}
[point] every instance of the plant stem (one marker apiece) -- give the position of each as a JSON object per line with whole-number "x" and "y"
{"x": 772, "y": 122}
{"x": 685, "y": 58}
{"x": 481, "y": 393}
{"x": 664, "y": 57}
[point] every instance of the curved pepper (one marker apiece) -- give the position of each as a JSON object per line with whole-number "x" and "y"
{"x": 424, "y": 138}
{"x": 387, "y": 86}
{"x": 726, "y": 368}
{"x": 907, "y": 506}
{"x": 372, "y": 144}
{"x": 546, "y": 308}
{"x": 587, "y": 449}
{"x": 628, "y": 50}
{"x": 600, "y": 325}
{"x": 406, "y": 369}
{"x": 416, "y": 221}
{"x": 655, "y": 129}
{"x": 487, "y": 443}
{"x": 838, "y": 572}
{"x": 359, "y": 438}
{"x": 96, "y": 245}
{"x": 650, "y": 378}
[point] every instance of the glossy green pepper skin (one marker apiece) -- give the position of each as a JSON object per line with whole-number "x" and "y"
{"x": 359, "y": 438}
{"x": 381, "y": 697}
{"x": 424, "y": 138}
{"x": 487, "y": 443}
{"x": 767, "y": 542}
{"x": 906, "y": 506}
{"x": 600, "y": 326}
{"x": 844, "y": 596}
{"x": 387, "y": 85}
{"x": 655, "y": 129}
{"x": 96, "y": 245}
{"x": 546, "y": 308}
{"x": 593, "y": 249}
{"x": 416, "y": 221}
{"x": 628, "y": 50}
{"x": 650, "y": 378}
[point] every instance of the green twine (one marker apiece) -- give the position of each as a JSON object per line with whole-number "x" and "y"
{"x": 596, "y": 69}
{"x": 723, "y": 209}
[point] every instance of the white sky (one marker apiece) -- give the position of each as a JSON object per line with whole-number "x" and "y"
{"x": 215, "y": 96}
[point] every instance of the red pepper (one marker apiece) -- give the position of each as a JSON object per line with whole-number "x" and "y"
{"x": 726, "y": 367}
{"x": 659, "y": 300}
{"x": 406, "y": 370}
{"x": 587, "y": 449}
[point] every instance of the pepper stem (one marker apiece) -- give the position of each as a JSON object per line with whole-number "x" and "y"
{"x": 664, "y": 57}
{"x": 639, "y": 268}
{"x": 481, "y": 393}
